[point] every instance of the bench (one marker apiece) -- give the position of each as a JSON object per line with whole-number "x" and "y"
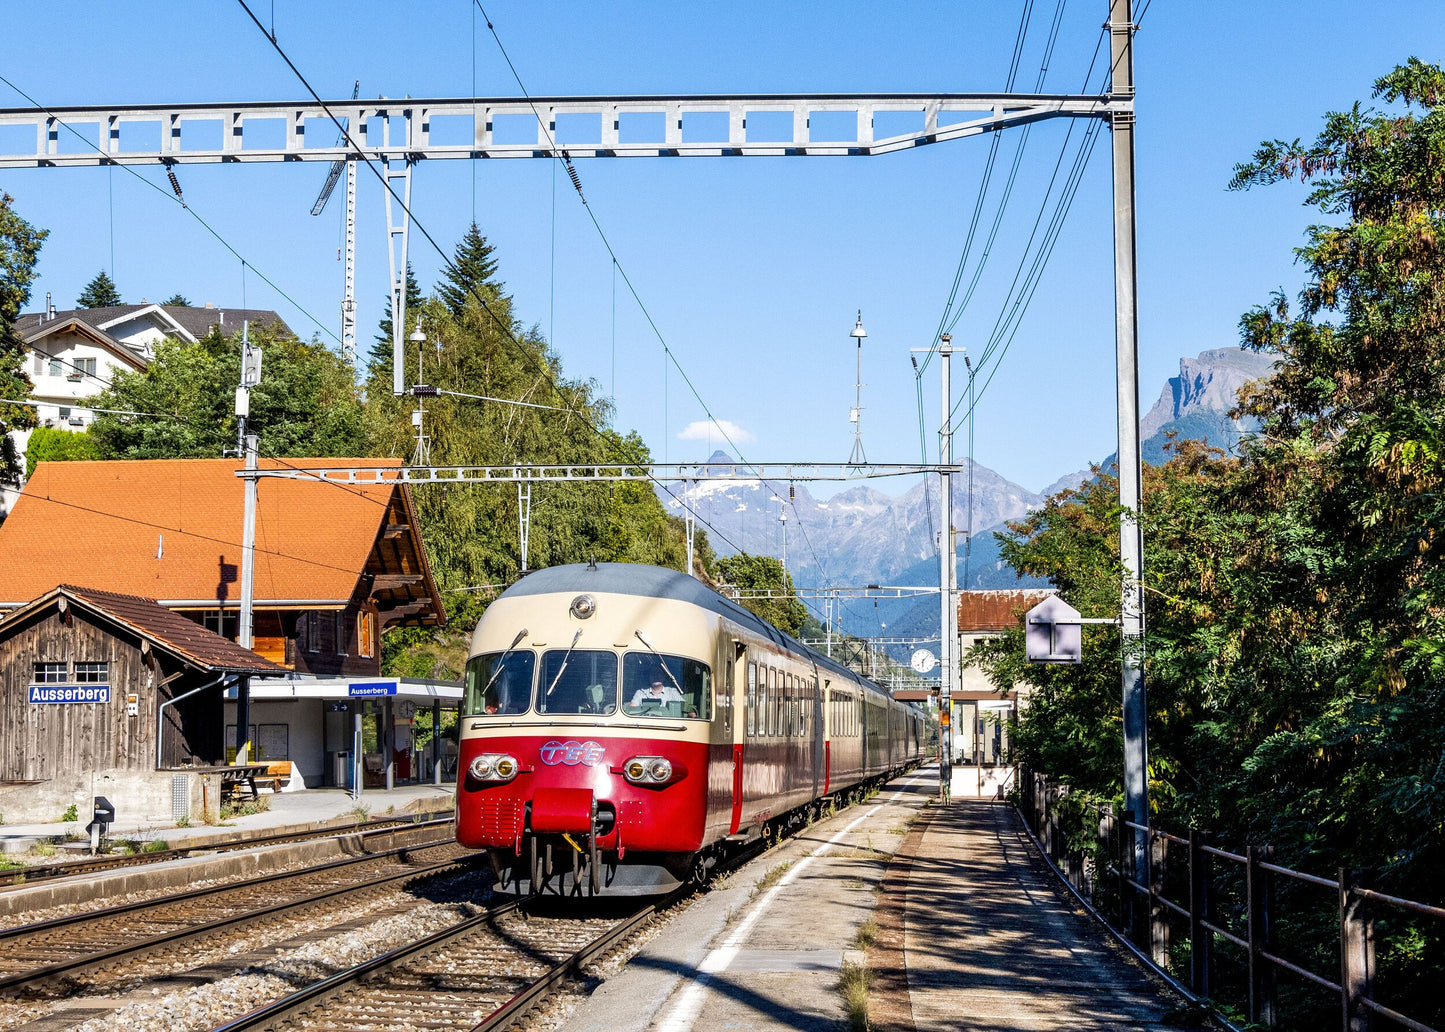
{"x": 276, "y": 777}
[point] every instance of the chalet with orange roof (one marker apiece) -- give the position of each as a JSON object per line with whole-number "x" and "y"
{"x": 335, "y": 566}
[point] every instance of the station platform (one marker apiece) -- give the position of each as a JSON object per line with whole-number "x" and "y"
{"x": 948, "y": 907}
{"x": 302, "y": 809}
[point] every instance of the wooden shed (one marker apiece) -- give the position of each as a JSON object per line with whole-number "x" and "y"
{"x": 98, "y": 681}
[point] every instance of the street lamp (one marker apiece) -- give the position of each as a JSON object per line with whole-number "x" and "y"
{"x": 857, "y": 458}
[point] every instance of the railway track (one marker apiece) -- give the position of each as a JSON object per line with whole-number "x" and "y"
{"x": 483, "y": 974}
{"x": 40, "y": 873}
{"x": 104, "y": 945}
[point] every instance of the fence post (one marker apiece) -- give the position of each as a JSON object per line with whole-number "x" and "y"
{"x": 1158, "y": 912}
{"x": 1357, "y": 953}
{"x": 1126, "y": 872}
{"x": 1259, "y": 884}
{"x": 1201, "y": 939}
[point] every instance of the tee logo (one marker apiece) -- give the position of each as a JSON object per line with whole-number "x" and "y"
{"x": 588, "y": 754}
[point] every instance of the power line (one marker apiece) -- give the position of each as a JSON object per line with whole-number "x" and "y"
{"x": 175, "y": 198}
{"x": 506, "y": 330}
{"x": 618, "y": 268}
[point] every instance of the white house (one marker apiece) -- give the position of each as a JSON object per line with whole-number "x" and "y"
{"x": 71, "y": 355}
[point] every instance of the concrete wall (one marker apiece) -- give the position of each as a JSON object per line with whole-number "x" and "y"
{"x": 135, "y": 796}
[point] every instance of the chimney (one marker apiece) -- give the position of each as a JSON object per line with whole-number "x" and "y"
{"x": 209, "y": 305}
{"x": 49, "y": 306}
{"x": 223, "y": 318}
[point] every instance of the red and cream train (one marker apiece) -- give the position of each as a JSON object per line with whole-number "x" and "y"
{"x": 623, "y": 726}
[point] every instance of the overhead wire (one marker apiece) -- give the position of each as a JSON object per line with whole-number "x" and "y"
{"x": 669, "y": 356}
{"x": 541, "y": 367}
{"x": 176, "y": 199}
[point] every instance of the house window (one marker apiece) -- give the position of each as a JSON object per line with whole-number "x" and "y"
{"x": 92, "y": 673}
{"x": 226, "y": 624}
{"x": 338, "y": 620}
{"x": 50, "y": 673}
{"x": 55, "y": 369}
{"x": 366, "y": 634}
{"x": 325, "y": 624}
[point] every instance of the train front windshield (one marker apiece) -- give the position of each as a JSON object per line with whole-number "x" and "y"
{"x": 665, "y": 686}
{"x": 578, "y": 681}
{"x": 499, "y": 682}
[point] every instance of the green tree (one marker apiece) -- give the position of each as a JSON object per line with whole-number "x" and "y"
{"x": 1296, "y": 596}
{"x": 19, "y": 248}
{"x": 47, "y": 444}
{"x": 306, "y": 404}
{"x": 177, "y": 300}
{"x": 470, "y": 279}
{"x": 755, "y": 574}
{"x": 99, "y": 293}
{"x": 379, "y": 360}
{"x": 537, "y": 416}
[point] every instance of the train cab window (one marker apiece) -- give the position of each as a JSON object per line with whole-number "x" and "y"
{"x": 655, "y": 685}
{"x": 752, "y": 703}
{"x": 499, "y": 683}
{"x": 577, "y": 681}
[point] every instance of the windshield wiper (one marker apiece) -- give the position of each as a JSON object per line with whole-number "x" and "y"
{"x": 561, "y": 669}
{"x": 661, "y": 662}
{"x": 496, "y": 673}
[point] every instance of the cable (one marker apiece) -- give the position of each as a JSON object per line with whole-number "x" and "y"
{"x": 506, "y": 330}
{"x": 617, "y": 266}
{"x": 177, "y": 200}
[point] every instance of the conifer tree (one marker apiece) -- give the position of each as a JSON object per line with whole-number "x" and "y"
{"x": 471, "y": 278}
{"x": 99, "y": 293}
{"x": 378, "y": 361}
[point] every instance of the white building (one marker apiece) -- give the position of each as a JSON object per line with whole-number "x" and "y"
{"x": 71, "y": 355}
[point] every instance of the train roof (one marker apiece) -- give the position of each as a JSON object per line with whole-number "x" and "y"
{"x": 659, "y": 582}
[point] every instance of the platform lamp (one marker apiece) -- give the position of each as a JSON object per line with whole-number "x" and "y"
{"x": 857, "y": 458}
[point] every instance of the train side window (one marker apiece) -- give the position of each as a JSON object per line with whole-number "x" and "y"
{"x": 727, "y": 702}
{"x": 775, "y": 692}
{"x": 752, "y": 703}
{"x": 790, "y": 700}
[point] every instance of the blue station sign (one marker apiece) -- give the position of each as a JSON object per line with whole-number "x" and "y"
{"x": 371, "y": 689}
{"x": 69, "y": 693}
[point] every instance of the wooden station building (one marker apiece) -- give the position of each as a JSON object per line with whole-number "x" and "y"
{"x": 335, "y": 566}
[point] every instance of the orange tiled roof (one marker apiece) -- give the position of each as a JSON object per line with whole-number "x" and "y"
{"x": 996, "y": 610}
{"x": 170, "y": 529}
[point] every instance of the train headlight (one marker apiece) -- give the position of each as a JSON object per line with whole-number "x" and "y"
{"x": 493, "y": 767}
{"x": 648, "y": 770}
{"x": 583, "y": 606}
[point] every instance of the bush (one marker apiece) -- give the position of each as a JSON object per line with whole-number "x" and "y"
{"x": 71, "y": 814}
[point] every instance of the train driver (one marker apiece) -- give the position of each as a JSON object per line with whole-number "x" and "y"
{"x": 656, "y": 693}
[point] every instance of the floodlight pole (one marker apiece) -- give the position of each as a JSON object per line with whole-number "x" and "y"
{"x": 246, "y": 631}
{"x": 1126, "y": 350}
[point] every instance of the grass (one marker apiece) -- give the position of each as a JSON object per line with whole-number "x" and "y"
{"x": 360, "y": 811}
{"x": 6, "y": 864}
{"x": 258, "y": 805}
{"x": 854, "y": 981}
{"x": 866, "y": 935}
{"x": 45, "y": 848}
{"x": 155, "y": 846}
{"x": 774, "y": 875}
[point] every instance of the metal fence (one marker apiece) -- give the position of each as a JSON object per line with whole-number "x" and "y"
{"x": 1202, "y": 902}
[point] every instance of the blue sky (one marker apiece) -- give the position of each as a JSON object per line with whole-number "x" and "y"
{"x": 752, "y": 269}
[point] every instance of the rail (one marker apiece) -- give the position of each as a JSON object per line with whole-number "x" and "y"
{"x": 1093, "y": 849}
